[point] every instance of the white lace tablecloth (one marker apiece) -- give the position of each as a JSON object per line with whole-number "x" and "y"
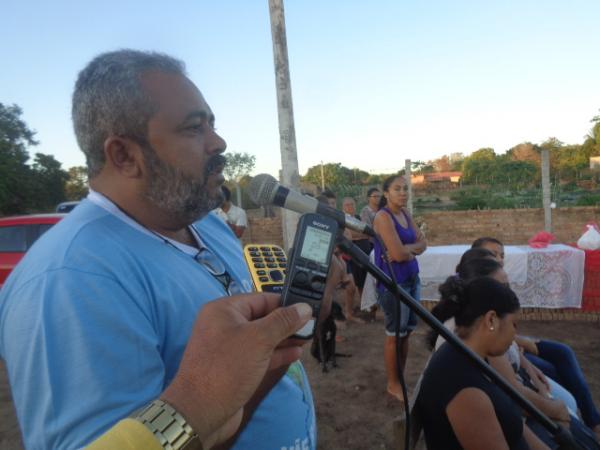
{"x": 550, "y": 277}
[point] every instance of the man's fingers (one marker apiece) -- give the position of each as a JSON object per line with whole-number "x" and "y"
{"x": 283, "y": 322}
{"x": 292, "y": 342}
{"x": 256, "y": 305}
{"x": 284, "y": 356}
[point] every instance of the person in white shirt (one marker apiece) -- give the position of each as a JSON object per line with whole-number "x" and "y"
{"x": 233, "y": 215}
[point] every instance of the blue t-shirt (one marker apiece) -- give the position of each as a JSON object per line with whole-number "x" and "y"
{"x": 94, "y": 322}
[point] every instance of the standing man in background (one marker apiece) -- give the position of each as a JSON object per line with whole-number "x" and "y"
{"x": 235, "y": 216}
{"x": 367, "y": 214}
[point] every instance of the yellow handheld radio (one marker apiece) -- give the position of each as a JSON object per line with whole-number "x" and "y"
{"x": 268, "y": 266}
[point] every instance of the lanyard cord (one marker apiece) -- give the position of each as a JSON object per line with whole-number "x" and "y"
{"x": 224, "y": 278}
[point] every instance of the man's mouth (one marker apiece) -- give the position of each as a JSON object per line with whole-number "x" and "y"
{"x": 215, "y": 165}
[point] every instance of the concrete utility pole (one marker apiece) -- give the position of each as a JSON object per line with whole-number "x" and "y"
{"x": 287, "y": 134}
{"x": 546, "y": 190}
{"x": 407, "y": 171}
{"x": 322, "y": 178}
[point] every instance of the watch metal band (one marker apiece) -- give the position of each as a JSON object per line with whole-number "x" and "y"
{"x": 169, "y": 427}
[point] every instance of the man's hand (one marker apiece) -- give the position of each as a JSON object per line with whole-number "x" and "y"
{"x": 234, "y": 342}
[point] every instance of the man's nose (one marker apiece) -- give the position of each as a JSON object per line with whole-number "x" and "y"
{"x": 216, "y": 144}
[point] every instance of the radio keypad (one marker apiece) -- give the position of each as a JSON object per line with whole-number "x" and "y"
{"x": 270, "y": 262}
{"x": 276, "y": 275}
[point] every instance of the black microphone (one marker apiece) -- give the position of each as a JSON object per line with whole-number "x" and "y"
{"x": 265, "y": 190}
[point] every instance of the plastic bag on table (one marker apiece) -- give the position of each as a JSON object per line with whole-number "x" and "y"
{"x": 590, "y": 240}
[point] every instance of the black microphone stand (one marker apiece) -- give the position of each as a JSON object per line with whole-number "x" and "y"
{"x": 561, "y": 435}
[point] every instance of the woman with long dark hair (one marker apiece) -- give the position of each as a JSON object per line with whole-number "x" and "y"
{"x": 403, "y": 241}
{"x": 546, "y": 394}
{"x": 459, "y": 406}
{"x": 555, "y": 359}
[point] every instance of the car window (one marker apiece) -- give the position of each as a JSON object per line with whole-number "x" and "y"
{"x": 36, "y": 232}
{"x": 13, "y": 239}
{"x": 42, "y": 228}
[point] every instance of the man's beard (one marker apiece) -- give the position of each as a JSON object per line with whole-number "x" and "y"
{"x": 182, "y": 197}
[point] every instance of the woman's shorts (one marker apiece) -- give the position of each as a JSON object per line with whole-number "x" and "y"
{"x": 408, "y": 318}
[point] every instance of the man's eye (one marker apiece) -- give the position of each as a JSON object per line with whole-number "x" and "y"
{"x": 197, "y": 127}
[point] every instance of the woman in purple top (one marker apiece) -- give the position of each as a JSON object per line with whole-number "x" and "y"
{"x": 403, "y": 241}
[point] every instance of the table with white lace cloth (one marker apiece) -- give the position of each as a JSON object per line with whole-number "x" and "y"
{"x": 550, "y": 277}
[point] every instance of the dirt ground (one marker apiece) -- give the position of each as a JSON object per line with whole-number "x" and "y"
{"x": 353, "y": 408}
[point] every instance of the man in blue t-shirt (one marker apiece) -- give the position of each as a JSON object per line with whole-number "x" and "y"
{"x": 95, "y": 319}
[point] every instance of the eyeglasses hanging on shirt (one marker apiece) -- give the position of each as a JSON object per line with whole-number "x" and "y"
{"x": 213, "y": 265}
{"x": 207, "y": 259}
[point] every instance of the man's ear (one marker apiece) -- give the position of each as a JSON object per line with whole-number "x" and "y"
{"x": 124, "y": 156}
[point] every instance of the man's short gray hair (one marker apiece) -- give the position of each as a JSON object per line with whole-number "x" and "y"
{"x": 110, "y": 100}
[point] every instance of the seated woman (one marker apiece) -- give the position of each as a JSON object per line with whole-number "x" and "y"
{"x": 555, "y": 359}
{"x": 547, "y": 395}
{"x": 543, "y": 392}
{"x": 461, "y": 408}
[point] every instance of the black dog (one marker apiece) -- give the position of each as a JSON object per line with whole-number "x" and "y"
{"x": 324, "y": 339}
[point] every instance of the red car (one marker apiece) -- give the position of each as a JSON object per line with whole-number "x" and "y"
{"x": 17, "y": 235}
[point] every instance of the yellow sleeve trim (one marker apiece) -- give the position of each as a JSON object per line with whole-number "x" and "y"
{"x": 128, "y": 434}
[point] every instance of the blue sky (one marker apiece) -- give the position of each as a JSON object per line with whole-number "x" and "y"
{"x": 373, "y": 82}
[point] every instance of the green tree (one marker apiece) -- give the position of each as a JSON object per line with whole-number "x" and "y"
{"x": 480, "y": 166}
{"x": 526, "y": 151}
{"x": 420, "y": 167}
{"x": 238, "y": 165}
{"x": 456, "y": 161}
{"x": 334, "y": 173}
{"x": 516, "y": 174}
{"x": 15, "y": 174}
{"x": 359, "y": 176}
{"x": 76, "y": 186}
{"x": 569, "y": 160}
{"x": 48, "y": 182}
{"x": 442, "y": 164}
{"x": 592, "y": 141}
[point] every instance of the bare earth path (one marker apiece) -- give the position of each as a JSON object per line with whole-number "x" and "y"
{"x": 353, "y": 409}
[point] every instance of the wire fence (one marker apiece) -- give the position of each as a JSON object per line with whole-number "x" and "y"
{"x": 470, "y": 197}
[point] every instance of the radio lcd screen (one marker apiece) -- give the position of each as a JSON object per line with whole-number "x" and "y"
{"x": 316, "y": 244}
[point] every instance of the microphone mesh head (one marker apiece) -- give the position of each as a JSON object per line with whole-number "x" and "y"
{"x": 262, "y": 189}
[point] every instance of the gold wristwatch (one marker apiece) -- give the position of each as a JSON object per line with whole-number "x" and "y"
{"x": 168, "y": 426}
